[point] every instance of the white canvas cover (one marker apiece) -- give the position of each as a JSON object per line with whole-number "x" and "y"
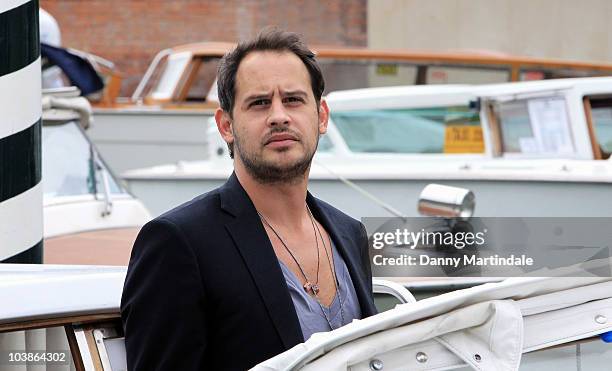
{"x": 487, "y": 327}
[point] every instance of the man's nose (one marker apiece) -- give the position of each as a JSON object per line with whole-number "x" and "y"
{"x": 278, "y": 113}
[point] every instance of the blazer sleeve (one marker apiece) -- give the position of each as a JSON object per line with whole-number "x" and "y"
{"x": 163, "y": 303}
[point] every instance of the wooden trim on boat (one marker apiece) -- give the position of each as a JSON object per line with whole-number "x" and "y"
{"x": 422, "y": 60}
{"x": 421, "y": 75}
{"x": 51, "y": 322}
{"x": 492, "y": 59}
{"x": 93, "y": 349}
{"x": 465, "y": 58}
{"x": 515, "y": 73}
{"x": 111, "y": 90}
{"x": 496, "y": 135}
{"x": 74, "y": 348}
{"x": 189, "y": 77}
{"x": 592, "y": 135}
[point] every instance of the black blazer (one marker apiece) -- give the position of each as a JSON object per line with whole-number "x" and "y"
{"x": 204, "y": 289}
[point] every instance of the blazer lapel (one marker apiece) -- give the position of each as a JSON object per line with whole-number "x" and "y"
{"x": 253, "y": 244}
{"x": 351, "y": 257}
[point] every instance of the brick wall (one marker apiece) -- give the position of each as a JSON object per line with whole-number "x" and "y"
{"x": 131, "y": 32}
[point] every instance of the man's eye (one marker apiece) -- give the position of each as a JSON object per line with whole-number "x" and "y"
{"x": 293, "y": 99}
{"x": 259, "y": 102}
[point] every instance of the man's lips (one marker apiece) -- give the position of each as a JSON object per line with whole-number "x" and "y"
{"x": 281, "y": 139}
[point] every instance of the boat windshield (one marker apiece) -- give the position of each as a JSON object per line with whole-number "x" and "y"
{"x": 68, "y": 163}
{"x": 174, "y": 69}
{"x": 422, "y": 130}
{"x": 602, "y": 120}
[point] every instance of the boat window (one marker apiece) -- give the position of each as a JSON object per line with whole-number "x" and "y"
{"x": 601, "y": 113}
{"x": 342, "y": 74}
{"x": 68, "y": 163}
{"x": 426, "y": 130}
{"x": 175, "y": 65}
{"x": 530, "y": 74}
{"x": 40, "y": 349}
{"x": 203, "y": 79}
{"x": 534, "y": 126}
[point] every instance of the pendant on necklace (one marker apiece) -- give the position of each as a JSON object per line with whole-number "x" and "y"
{"x": 308, "y": 286}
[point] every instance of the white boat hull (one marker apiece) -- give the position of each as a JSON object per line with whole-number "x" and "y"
{"x": 137, "y": 138}
{"x": 493, "y": 198}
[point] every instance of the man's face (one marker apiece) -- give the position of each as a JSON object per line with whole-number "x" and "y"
{"x": 276, "y": 124}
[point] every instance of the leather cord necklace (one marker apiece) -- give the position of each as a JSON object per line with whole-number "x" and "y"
{"x": 332, "y": 265}
{"x": 309, "y": 286}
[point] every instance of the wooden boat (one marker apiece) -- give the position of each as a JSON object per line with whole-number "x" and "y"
{"x": 164, "y": 120}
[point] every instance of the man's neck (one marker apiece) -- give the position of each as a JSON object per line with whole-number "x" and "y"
{"x": 278, "y": 202}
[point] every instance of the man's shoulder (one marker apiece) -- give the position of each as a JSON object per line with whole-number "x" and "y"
{"x": 202, "y": 209}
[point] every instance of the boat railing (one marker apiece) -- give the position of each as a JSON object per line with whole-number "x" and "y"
{"x": 136, "y": 97}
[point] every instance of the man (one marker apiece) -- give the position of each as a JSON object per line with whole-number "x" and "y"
{"x": 247, "y": 271}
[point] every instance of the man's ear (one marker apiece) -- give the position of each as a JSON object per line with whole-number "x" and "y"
{"x": 224, "y": 125}
{"x": 323, "y": 116}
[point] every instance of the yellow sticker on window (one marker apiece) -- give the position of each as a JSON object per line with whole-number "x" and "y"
{"x": 463, "y": 139}
{"x": 386, "y": 69}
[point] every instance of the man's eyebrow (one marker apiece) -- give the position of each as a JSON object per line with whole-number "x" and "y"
{"x": 257, "y": 96}
{"x": 295, "y": 92}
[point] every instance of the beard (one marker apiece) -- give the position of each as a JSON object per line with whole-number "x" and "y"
{"x": 269, "y": 172}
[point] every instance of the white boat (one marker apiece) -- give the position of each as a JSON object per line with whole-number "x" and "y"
{"x": 547, "y": 324}
{"x": 89, "y": 217}
{"x": 70, "y": 317}
{"x": 536, "y": 148}
{"x": 164, "y": 120}
{"x": 71, "y": 314}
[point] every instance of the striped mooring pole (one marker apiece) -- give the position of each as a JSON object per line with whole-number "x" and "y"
{"x": 21, "y": 213}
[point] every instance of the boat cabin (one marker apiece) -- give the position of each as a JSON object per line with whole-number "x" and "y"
{"x": 552, "y": 119}
{"x": 567, "y": 118}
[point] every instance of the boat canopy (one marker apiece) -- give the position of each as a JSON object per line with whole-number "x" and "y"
{"x": 486, "y": 327}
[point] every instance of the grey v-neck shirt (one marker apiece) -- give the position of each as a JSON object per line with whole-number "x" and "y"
{"x": 343, "y": 309}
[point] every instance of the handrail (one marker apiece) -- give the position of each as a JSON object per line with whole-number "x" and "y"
{"x": 389, "y": 287}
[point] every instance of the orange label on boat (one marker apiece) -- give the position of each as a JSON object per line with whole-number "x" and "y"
{"x": 463, "y": 139}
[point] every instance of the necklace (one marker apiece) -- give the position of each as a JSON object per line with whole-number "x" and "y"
{"x": 332, "y": 266}
{"x": 308, "y": 285}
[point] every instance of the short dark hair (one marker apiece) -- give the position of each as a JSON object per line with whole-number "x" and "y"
{"x": 269, "y": 39}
